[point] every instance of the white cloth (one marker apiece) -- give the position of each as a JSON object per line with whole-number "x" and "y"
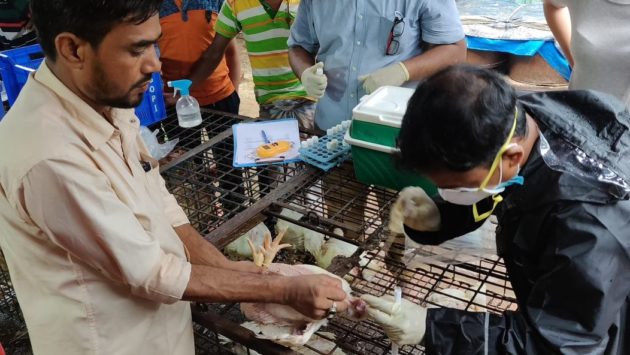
{"x": 600, "y": 44}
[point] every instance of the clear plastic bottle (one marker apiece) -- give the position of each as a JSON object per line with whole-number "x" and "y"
{"x": 188, "y": 114}
{"x": 187, "y": 107}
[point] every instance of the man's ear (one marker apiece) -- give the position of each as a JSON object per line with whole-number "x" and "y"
{"x": 514, "y": 156}
{"x": 71, "y": 50}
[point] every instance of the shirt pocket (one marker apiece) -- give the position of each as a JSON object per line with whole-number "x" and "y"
{"x": 384, "y": 28}
{"x": 408, "y": 40}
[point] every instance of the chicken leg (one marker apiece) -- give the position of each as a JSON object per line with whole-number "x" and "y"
{"x": 265, "y": 254}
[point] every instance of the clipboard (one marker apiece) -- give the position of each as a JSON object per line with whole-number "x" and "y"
{"x": 249, "y": 136}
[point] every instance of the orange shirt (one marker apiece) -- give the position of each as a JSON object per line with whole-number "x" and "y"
{"x": 182, "y": 44}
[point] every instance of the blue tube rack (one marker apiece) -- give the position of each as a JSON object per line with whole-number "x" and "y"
{"x": 323, "y": 154}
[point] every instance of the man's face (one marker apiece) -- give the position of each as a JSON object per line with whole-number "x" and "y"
{"x": 118, "y": 72}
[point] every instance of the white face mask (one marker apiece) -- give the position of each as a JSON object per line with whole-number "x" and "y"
{"x": 467, "y": 196}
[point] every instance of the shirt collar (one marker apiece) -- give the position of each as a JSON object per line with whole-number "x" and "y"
{"x": 94, "y": 126}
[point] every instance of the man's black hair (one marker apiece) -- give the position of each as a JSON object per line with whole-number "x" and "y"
{"x": 457, "y": 120}
{"x": 90, "y": 20}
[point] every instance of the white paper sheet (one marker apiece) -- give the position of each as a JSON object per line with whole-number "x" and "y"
{"x": 248, "y": 137}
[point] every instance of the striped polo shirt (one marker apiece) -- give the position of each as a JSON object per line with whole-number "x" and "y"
{"x": 266, "y": 38}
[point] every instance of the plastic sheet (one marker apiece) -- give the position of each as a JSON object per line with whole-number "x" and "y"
{"x": 157, "y": 150}
{"x": 468, "y": 248}
{"x": 563, "y": 157}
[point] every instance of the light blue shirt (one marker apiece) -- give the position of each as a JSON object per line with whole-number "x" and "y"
{"x": 350, "y": 37}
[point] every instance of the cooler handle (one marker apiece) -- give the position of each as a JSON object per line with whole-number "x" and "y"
{"x": 368, "y": 145}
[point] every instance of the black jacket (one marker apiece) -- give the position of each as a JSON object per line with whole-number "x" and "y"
{"x": 565, "y": 241}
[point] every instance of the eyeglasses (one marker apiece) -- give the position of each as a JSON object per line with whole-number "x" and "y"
{"x": 397, "y": 30}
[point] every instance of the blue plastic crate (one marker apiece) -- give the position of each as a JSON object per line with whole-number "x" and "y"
{"x": 15, "y": 67}
{"x": 152, "y": 108}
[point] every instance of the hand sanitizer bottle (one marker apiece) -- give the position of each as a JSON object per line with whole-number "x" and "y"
{"x": 187, "y": 107}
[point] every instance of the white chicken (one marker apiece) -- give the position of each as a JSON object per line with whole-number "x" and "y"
{"x": 240, "y": 247}
{"x": 284, "y": 324}
{"x": 323, "y": 344}
{"x": 459, "y": 299}
{"x": 315, "y": 243}
{"x": 293, "y": 234}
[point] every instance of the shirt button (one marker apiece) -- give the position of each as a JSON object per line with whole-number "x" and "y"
{"x": 358, "y": 43}
{"x": 132, "y": 120}
{"x": 354, "y": 68}
{"x": 352, "y": 95}
{"x": 360, "y": 17}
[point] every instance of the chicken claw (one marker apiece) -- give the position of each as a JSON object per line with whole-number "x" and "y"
{"x": 267, "y": 252}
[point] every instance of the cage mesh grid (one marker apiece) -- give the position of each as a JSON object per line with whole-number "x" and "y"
{"x": 479, "y": 286}
{"x": 211, "y": 191}
{"x": 213, "y": 123}
{"x": 337, "y": 200}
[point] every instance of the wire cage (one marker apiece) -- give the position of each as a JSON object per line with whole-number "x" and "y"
{"x": 13, "y": 334}
{"x": 324, "y": 202}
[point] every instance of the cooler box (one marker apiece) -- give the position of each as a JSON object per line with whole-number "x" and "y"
{"x": 17, "y": 64}
{"x": 375, "y": 125}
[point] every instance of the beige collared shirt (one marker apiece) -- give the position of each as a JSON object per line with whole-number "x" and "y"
{"x": 87, "y": 233}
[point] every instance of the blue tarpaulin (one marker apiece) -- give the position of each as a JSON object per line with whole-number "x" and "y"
{"x": 546, "y": 49}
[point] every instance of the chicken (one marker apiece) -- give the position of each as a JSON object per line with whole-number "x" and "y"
{"x": 323, "y": 344}
{"x": 315, "y": 243}
{"x": 294, "y": 234}
{"x": 324, "y": 251}
{"x": 240, "y": 247}
{"x": 284, "y": 324}
{"x": 459, "y": 299}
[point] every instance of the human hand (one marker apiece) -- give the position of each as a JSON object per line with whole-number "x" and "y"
{"x": 393, "y": 75}
{"x": 314, "y": 84}
{"x": 404, "y": 323}
{"x": 418, "y": 209}
{"x": 314, "y": 295}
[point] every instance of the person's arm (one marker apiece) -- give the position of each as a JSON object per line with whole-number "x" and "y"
{"x": 456, "y": 221}
{"x": 559, "y": 21}
{"x": 90, "y": 223}
{"x": 233, "y": 63}
{"x": 202, "y": 252}
{"x": 226, "y": 28}
{"x": 442, "y": 39}
{"x": 311, "y": 295}
{"x": 435, "y": 57}
{"x": 210, "y": 59}
{"x": 581, "y": 284}
{"x": 303, "y": 42}
{"x": 300, "y": 60}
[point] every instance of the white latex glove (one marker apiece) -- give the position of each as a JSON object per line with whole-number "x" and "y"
{"x": 315, "y": 84}
{"x": 418, "y": 210}
{"x": 393, "y": 75}
{"x": 404, "y": 324}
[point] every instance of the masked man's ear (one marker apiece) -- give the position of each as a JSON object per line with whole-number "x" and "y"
{"x": 514, "y": 156}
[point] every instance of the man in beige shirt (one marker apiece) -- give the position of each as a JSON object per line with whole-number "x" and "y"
{"x": 99, "y": 252}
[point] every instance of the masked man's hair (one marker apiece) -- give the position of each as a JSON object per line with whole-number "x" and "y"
{"x": 458, "y": 119}
{"x": 90, "y": 20}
